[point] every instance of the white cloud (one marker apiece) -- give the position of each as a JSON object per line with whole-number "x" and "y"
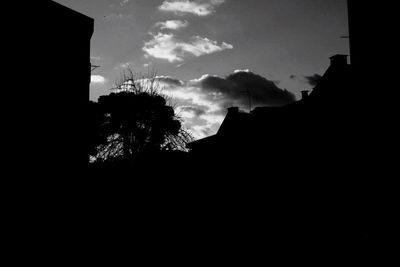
{"x": 125, "y": 65}
{"x": 239, "y": 71}
{"x": 163, "y": 46}
{"x": 95, "y": 58}
{"x": 199, "y": 80}
{"x": 201, "y": 125}
{"x": 199, "y": 8}
{"x": 167, "y": 46}
{"x": 201, "y": 46}
{"x": 172, "y": 24}
{"x": 98, "y": 79}
{"x": 188, "y": 99}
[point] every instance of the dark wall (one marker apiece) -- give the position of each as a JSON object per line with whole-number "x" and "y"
{"x": 53, "y": 89}
{"x": 372, "y": 46}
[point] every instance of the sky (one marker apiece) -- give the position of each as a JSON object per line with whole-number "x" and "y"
{"x": 213, "y": 54}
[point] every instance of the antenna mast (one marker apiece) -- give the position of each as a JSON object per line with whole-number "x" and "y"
{"x": 249, "y": 94}
{"x": 93, "y": 67}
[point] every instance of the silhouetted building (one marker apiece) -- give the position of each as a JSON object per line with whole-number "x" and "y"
{"x": 269, "y": 130}
{"x": 231, "y": 133}
{"x": 373, "y": 54}
{"x": 308, "y": 154}
{"x": 324, "y": 121}
{"x": 329, "y": 145}
{"x": 54, "y": 88}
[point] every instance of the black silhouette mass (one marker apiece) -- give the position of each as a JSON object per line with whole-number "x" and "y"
{"x": 287, "y": 177}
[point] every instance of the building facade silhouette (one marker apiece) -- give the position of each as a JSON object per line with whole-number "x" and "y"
{"x": 325, "y": 146}
{"x": 51, "y": 110}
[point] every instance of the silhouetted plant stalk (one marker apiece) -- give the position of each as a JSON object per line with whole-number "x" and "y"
{"x": 138, "y": 119}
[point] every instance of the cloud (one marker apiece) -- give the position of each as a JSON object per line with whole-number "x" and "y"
{"x": 238, "y": 71}
{"x": 95, "y": 58}
{"x": 169, "y": 81}
{"x": 125, "y": 65}
{"x": 202, "y": 103}
{"x": 165, "y": 81}
{"x": 98, "y": 79}
{"x": 167, "y": 46}
{"x": 234, "y": 90}
{"x": 313, "y": 79}
{"x": 172, "y": 24}
{"x": 198, "y": 8}
{"x": 196, "y": 110}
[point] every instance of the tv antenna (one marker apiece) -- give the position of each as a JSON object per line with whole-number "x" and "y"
{"x": 93, "y": 67}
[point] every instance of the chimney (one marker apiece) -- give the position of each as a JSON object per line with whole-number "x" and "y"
{"x": 304, "y": 94}
{"x": 339, "y": 60}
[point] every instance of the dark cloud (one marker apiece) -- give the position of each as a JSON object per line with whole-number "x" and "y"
{"x": 233, "y": 90}
{"x": 203, "y": 102}
{"x": 313, "y": 79}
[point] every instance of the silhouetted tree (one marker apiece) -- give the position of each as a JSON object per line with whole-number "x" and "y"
{"x": 135, "y": 119}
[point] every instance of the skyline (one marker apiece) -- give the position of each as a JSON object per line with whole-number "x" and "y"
{"x": 208, "y": 52}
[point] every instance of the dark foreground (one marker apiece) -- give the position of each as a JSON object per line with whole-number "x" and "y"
{"x": 234, "y": 210}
